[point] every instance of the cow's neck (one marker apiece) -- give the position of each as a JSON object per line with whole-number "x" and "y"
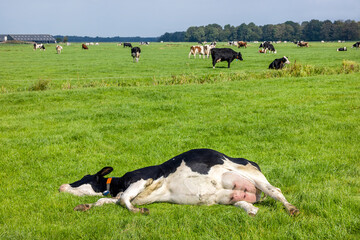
{"x": 116, "y": 186}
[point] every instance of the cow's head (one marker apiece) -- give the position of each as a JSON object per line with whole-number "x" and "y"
{"x": 239, "y": 56}
{"x": 89, "y": 185}
{"x": 286, "y": 60}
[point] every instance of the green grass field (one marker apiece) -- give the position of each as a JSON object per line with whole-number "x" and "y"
{"x": 98, "y": 108}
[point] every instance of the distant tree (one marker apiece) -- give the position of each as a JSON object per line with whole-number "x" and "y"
{"x": 226, "y": 34}
{"x": 350, "y": 30}
{"x": 327, "y": 31}
{"x": 195, "y": 34}
{"x": 268, "y": 31}
{"x": 254, "y": 32}
{"x": 213, "y": 32}
{"x": 242, "y": 32}
{"x": 66, "y": 39}
{"x": 312, "y": 30}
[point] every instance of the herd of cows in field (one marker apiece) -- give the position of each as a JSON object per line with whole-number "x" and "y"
{"x": 217, "y": 54}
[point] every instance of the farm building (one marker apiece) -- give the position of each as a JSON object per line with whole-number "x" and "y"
{"x": 3, "y": 37}
{"x": 38, "y": 38}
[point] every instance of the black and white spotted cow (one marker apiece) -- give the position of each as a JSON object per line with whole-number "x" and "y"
{"x": 135, "y": 53}
{"x": 39, "y": 46}
{"x": 199, "y": 176}
{"x": 341, "y": 49}
{"x": 279, "y": 63}
{"x": 356, "y": 45}
{"x": 268, "y": 47}
{"x": 127, "y": 45}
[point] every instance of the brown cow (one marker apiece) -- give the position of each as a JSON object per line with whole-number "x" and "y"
{"x": 84, "y": 46}
{"x": 242, "y": 44}
{"x": 303, "y": 44}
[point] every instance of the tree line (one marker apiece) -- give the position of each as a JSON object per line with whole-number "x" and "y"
{"x": 61, "y": 38}
{"x": 313, "y": 30}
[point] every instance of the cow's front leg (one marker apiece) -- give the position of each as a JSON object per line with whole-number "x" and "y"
{"x": 100, "y": 202}
{"x": 131, "y": 192}
{"x": 248, "y": 207}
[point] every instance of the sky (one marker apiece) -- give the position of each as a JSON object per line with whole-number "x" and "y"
{"x": 153, "y": 18}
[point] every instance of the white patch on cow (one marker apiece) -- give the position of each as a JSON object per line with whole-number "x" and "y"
{"x": 287, "y": 60}
{"x": 83, "y": 190}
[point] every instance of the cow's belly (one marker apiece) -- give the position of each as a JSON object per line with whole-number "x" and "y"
{"x": 194, "y": 189}
{"x": 219, "y": 186}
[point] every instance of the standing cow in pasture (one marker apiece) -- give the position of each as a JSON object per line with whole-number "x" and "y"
{"x": 58, "y": 49}
{"x": 279, "y": 63}
{"x": 197, "y": 49}
{"x": 39, "y": 46}
{"x": 268, "y": 47}
{"x": 84, "y": 47}
{"x": 224, "y": 54}
{"x": 201, "y": 50}
{"x": 241, "y": 44}
{"x": 135, "y": 53}
{"x": 127, "y": 45}
{"x": 199, "y": 176}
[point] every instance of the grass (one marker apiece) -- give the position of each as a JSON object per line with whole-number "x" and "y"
{"x": 160, "y": 63}
{"x": 302, "y": 131}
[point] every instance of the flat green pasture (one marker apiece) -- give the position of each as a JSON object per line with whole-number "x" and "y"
{"x": 101, "y": 109}
{"x": 160, "y": 63}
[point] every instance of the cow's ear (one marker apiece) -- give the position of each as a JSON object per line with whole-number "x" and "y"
{"x": 105, "y": 171}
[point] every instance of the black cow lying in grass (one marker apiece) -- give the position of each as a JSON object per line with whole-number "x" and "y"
{"x": 224, "y": 54}
{"x": 279, "y": 63}
{"x": 199, "y": 176}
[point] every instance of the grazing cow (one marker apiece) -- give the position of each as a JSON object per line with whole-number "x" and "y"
{"x": 242, "y": 44}
{"x": 341, "y": 49}
{"x": 58, "y": 49}
{"x": 267, "y": 46}
{"x": 224, "y": 54}
{"x": 264, "y": 44}
{"x": 84, "y": 47}
{"x": 39, "y": 46}
{"x": 279, "y": 63}
{"x": 135, "y": 53}
{"x": 127, "y": 45}
{"x": 197, "y": 49}
{"x": 356, "y": 45}
{"x": 199, "y": 176}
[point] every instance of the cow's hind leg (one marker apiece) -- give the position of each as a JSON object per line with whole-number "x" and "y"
{"x": 276, "y": 194}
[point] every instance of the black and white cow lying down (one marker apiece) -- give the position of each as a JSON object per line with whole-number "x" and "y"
{"x": 199, "y": 176}
{"x": 279, "y": 63}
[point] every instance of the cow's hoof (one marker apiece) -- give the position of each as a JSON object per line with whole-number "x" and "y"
{"x": 251, "y": 214}
{"x": 294, "y": 211}
{"x": 144, "y": 211}
{"x": 82, "y": 207}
